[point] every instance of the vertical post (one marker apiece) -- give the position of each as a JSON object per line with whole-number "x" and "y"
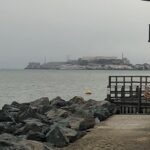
{"x": 116, "y": 93}
{"x": 109, "y": 89}
{"x": 139, "y": 100}
{"x": 131, "y": 93}
{"x": 122, "y": 92}
{"x": 149, "y": 34}
{"x": 108, "y": 93}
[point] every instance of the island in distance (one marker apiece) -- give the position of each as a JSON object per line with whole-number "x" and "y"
{"x": 91, "y": 63}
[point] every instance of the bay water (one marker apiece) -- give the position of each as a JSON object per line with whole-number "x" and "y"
{"x": 28, "y": 85}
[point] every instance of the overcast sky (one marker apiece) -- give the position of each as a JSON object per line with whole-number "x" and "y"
{"x": 57, "y": 29}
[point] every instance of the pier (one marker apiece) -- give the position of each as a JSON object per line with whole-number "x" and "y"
{"x": 129, "y": 94}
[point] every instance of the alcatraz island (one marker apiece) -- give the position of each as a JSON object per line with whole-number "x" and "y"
{"x": 91, "y": 63}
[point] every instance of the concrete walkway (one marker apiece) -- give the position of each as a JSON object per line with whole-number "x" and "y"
{"x": 120, "y": 132}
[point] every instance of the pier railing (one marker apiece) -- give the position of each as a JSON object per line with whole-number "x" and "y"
{"x": 129, "y": 94}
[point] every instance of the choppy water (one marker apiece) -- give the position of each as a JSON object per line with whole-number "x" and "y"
{"x": 28, "y": 85}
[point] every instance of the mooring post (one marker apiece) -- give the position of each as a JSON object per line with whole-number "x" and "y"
{"x": 139, "y": 100}
{"x": 131, "y": 91}
{"x": 122, "y": 92}
{"x": 108, "y": 93}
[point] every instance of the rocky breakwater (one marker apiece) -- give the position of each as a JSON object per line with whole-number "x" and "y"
{"x": 44, "y": 124}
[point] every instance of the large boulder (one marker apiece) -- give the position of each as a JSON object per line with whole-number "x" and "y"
{"x": 42, "y": 105}
{"x": 101, "y": 113}
{"x": 55, "y": 113}
{"x": 41, "y": 101}
{"x": 56, "y": 137}
{"x": 22, "y": 106}
{"x": 71, "y": 134}
{"x": 36, "y": 136}
{"x": 4, "y": 116}
{"x": 109, "y": 106}
{"x": 10, "y": 142}
{"x": 10, "y": 108}
{"x": 9, "y": 127}
{"x": 76, "y": 100}
{"x": 87, "y": 123}
{"x": 79, "y": 123}
{"x": 58, "y": 102}
{"x": 31, "y": 112}
{"x": 30, "y": 125}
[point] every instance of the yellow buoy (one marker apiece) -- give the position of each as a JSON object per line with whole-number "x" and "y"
{"x": 88, "y": 92}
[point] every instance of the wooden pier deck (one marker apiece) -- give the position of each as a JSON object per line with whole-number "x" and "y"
{"x": 120, "y": 132}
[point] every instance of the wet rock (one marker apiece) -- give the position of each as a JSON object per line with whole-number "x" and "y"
{"x": 31, "y": 112}
{"x": 87, "y": 123}
{"x": 85, "y": 113}
{"x": 76, "y": 100}
{"x": 42, "y": 109}
{"x": 29, "y": 127}
{"x": 71, "y": 134}
{"x": 33, "y": 121}
{"x": 10, "y": 108}
{"x": 56, "y": 137}
{"x": 4, "y": 116}
{"x": 36, "y": 136}
{"x": 54, "y": 113}
{"x": 22, "y": 106}
{"x": 58, "y": 102}
{"x": 11, "y": 111}
{"x": 74, "y": 122}
{"x": 9, "y": 127}
{"x": 101, "y": 113}
{"x": 64, "y": 123}
{"x": 42, "y": 105}
{"x": 90, "y": 104}
{"x": 10, "y": 142}
{"x": 109, "y": 106}
{"x": 41, "y": 101}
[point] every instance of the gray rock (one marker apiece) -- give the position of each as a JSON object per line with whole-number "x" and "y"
{"x": 41, "y": 101}
{"x": 76, "y": 100}
{"x": 101, "y": 113}
{"x": 30, "y": 121}
{"x": 56, "y": 137}
{"x": 10, "y": 142}
{"x": 4, "y": 116}
{"x": 71, "y": 134}
{"x": 87, "y": 123}
{"x": 74, "y": 122}
{"x": 64, "y": 123}
{"x": 10, "y": 108}
{"x": 58, "y": 102}
{"x": 28, "y": 127}
{"x": 31, "y": 112}
{"x": 22, "y": 106}
{"x": 36, "y": 136}
{"x": 9, "y": 127}
{"x": 54, "y": 113}
{"x": 109, "y": 106}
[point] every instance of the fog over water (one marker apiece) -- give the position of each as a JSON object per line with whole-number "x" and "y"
{"x": 57, "y": 29}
